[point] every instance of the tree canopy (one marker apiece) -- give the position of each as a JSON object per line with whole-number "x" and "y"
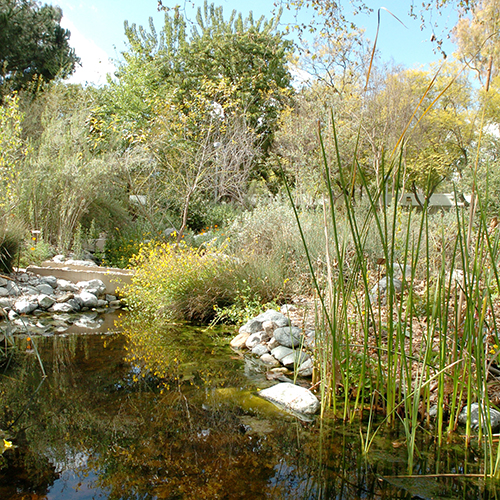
{"x": 32, "y": 44}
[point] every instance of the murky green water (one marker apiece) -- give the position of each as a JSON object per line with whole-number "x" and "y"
{"x": 173, "y": 414}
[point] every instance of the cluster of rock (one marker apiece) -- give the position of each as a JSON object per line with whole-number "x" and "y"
{"x": 277, "y": 343}
{"x": 281, "y": 347}
{"x": 25, "y": 294}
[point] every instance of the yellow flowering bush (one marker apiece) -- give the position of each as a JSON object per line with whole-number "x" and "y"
{"x": 178, "y": 282}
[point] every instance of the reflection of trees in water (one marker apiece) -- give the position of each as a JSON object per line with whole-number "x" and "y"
{"x": 171, "y": 423}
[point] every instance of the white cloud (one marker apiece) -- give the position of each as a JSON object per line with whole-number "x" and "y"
{"x": 95, "y": 62}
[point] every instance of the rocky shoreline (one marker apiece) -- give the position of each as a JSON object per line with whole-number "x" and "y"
{"x": 46, "y": 305}
{"x": 284, "y": 349}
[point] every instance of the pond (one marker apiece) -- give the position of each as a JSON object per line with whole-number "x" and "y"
{"x": 174, "y": 413}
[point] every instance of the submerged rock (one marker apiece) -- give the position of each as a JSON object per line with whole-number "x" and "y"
{"x": 292, "y": 397}
{"x": 476, "y": 412}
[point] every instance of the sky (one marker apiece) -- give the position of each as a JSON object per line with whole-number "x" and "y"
{"x": 97, "y": 32}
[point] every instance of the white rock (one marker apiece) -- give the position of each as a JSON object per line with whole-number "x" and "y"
{"x": 25, "y": 306}
{"x": 475, "y": 415}
{"x": 292, "y": 397}
{"x": 62, "y": 308}
{"x": 66, "y": 286}
{"x": 95, "y": 286}
{"x": 88, "y": 299}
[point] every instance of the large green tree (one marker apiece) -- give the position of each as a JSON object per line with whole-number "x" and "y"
{"x": 33, "y": 45}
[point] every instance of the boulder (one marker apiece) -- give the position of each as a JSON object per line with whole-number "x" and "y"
{"x": 44, "y": 288}
{"x": 296, "y": 358}
{"x": 255, "y": 339}
{"x": 45, "y": 301}
{"x": 306, "y": 368}
{"x": 66, "y": 286}
{"x": 239, "y": 341}
{"x": 49, "y": 280}
{"x": 281, "y": 351}
{"x": 97, "y": 287}
{"x": 61, "y": 308}
{"x": 88, "y": 299}
{"x": 4, "y": 292}
{"x": 292, "y": 397}
{"x": 25, "y": 306}
{"x": 260, "y": 349}
{"x": 290, "y": 336}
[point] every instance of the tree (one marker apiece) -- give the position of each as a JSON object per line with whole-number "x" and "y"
{"x": 32, "y": 45}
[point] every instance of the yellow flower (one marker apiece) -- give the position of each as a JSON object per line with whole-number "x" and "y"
{"x": 7, "y": 444}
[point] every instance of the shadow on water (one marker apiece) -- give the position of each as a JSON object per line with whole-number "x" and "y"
{"x": 174, "y": 414}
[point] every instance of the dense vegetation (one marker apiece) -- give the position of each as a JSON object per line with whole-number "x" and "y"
{"x": 200, "y": 162}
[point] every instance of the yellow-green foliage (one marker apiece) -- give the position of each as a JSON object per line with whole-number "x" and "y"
{"x": 180, "y": 282}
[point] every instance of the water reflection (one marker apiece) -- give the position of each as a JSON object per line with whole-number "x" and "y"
{"x": 173, "y": 414}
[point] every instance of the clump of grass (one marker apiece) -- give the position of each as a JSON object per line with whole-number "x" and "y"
{"x": 11, "y": 237}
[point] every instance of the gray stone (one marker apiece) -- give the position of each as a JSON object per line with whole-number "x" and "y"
{"x": 74, "y": 303}
{"x": 49, "y": 280}
{"x": 260, "y": 349}
{"x": 62, "y": 308}
{"x": 269, "y": 360}
{"x": 95, "y": 284}
{"x": 5, "y": 302}
{"x": 115, "y": 303}
{"x": 4, "y": 292}
{"x": 3, "y": 282}
{"x": 12, "y": 315}
{"x": 13, "y": 289}
{"x": 45, "y": 288}
{"x": 88, "y": 299}
{"x": 269, "y": 327}
{"x": 29, "y": 290}
{"x": 295, "y": 358}
{"x": 476, "y": 414}
{"x": 297, "y": 399}
{"x": 110, "y": 298}
{"x": 290, "y": 336}
{"x": 306, "y": 368}
{"x": 66, "y": 286}
{"x": 102, "y": 303}
{"x": 45, "y": 301}
{"x": 280, "y": 352}
{"x": 256, "y": 338}
{"x": 25, "y": 306}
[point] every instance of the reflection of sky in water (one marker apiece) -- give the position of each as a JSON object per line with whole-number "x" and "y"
{"x": 76, "y": 486}
{"x": 292, "y": 484}
{"x": 75, "y": 480}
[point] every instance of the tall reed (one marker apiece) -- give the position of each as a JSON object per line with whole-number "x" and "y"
{"x": 421, "y": 339}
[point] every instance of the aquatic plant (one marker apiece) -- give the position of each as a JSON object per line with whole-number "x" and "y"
{"x": 422, "y": 336}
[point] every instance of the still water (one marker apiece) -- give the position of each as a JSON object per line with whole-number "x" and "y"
{"x": 174, "y": 413}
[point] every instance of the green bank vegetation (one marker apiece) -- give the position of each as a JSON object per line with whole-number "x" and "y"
{"x": 228, "y": 189}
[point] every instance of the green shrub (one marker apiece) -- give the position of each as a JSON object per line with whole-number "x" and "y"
{"x": 11, "y": 237}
